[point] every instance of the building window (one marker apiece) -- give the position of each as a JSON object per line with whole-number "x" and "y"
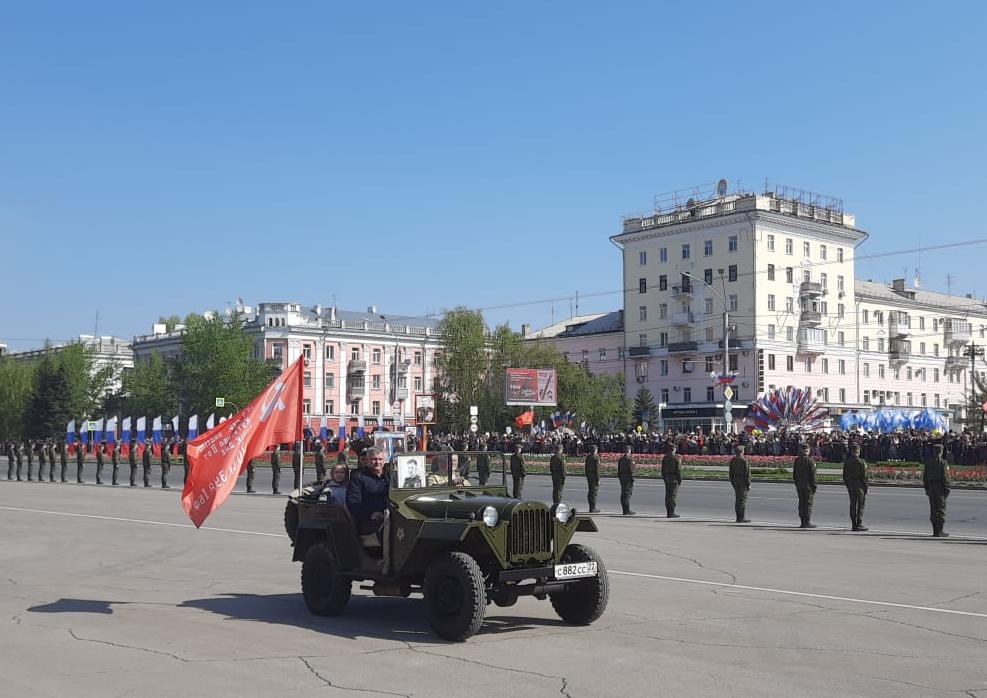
{"x": 789, "y": 304}
{"x": 710, "y": 334}
{"x": 709, "y": 364}
{"x": 864, "y": 317}
{"x": 808, "y": 366}
{"x": 662, "y": 283}
{"x": 663, "y": 339}
{"x": 839, "y": 254}
{"x": 880, "y": 344}
{"x": 789, "y": 334}
{"x": 935, "y": 350}
{"x": 771, "y": 362}
{"x": 866, "y": 398}
{"x": 789, "y": 246}
{"x": 824, "y": 307}
{"x": 880, "y": 370}
{"x": 825, "y": 394}
{"x": 620, "y": 353}
{"x": 642, "y": 285}
{"x": 662, "y": 311}
{"x": 686, "y": 394}
{"x": 924, "y": 399}
{"x": 642, "y": 312}
{"x": 822, "y": 252}
{"x": 824, "y": 365}
{"x": 771, "y": 301}
{"x": 879, "y": 317}
{"x": 840, "y": 284}
{"x": 418, "y": 384}
{"x": 843, "y": 395}
{"x": 685, "y": 251}
{"x": 771, "y": 243}
{"x": 663, "y": 255}
{"x": 707, "y": 249}
{"x": 806, "y": 249}
{"x": 663, "y": 367}
{"x": 771, "y": 272}
{"x": 664, "y": 396}
{"x": 789, "y": 275}
{"x": 354, "y": 354}
{"x": 865, "y": 343}
{"x": 790, "y": 363}
{"x": 732, "y": 243}
{"x": 418, "y": 358}
{"x": 866, "y": 370}
{"x": 603, "y": 354}
{"x": 375, "y": 355}
{"x": 642, "y": 258}
{"x": 585, "y": 356}
{"x": 841, "y": 338}
{"x": 375, "y": 381}
{"x": 330, "y": 352}
{"x": 921, "y": 323}
{"x": 935, "y": 375}
{"x": 806, "y": 275}
{"x": 375, "y": 407}
{"x": 710, "y": 394}
{"x": 824, "y": 281}
{"x": 642, "y": 339}
{"x": 732, "y": 364}
{"x": 708, "y": 306}
{"x": 842, "y": 366}
{"x": 733, "y": 302}
{"x": 708, "y": 276}
{"x": 307, "y": 351}
{"x": 330, "y": 380}
{"x": 306, "y": 406}
{"x": 330, "y": 407}
{"x": 840, "y": 310}
{"x": 771, "y": 331}
{"x": 732, "y": 272}
{"x": 277, "y": 351}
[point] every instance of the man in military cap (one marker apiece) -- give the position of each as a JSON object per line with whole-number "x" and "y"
{"x": 804, "y": 475}
{"x": 132, "y": 460}
{"x": 11, "y": 459}
{"x": 63, "y": 461}
{"x": 935, "y": 478}
{"x": 483, "y": 465}
{"x": 115, "y": 462}
{"x": 556, "y": 467}
{"x": 165, "y": 463}
{"x": 50, "y": 452}
{"x": 100, "y": 448}
{"x": 275, "y": 468}
{"x": 517, "y": 472}
{"x": 29, "y": 452}
{"x": 146, "y": 462}
{"x": 671, "y": 473}
{"x": 320, "y": 462}
{"x": 39, "y": 448}
{"x": 625, "y": 476}
{"x": 740, "y": 478}
{"x": 855, "y": 479}
{"x": 592, "y": 471}
{"x": 80, "y": 462}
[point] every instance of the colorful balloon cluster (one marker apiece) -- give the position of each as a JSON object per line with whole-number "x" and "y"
{"x": 787, "y": 408}
{"x": 888, "y": 420}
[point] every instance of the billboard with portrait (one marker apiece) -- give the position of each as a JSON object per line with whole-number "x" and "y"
{"x": 530, "y": 386}
{"x": 424, "y": 409}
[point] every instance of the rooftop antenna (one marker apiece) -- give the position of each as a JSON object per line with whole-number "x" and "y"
{"x": 577, "y": 302}
{"x": 96, "y": 326}
{"x": 918, "y": 279}
{"x": 949, "y": 284}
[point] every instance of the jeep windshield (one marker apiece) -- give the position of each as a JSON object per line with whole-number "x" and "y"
{"x": 461, "y": 469}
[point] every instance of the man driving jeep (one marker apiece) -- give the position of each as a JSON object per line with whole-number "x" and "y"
{"x": 366, "y": 493}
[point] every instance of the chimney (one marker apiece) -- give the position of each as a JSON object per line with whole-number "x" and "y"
{"x": 525, "y": 330}
{"x": 898, "y": 284}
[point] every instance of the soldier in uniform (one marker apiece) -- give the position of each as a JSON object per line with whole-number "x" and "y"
{"x": 251, "y": 468}
{"x": 625, "y": 475}
{"x": 296, "y": 465}
{"x": 740, "y": 478}
{"x": 804, "y": 475}
{"x": 99, "y": 462}
{"x": 935, "y": 478}
{"x": 671, "y": 473}
{"x": 11, "y": 459}
{"x": 592, "y": 470}
{"x": 556, "y": 467}
{"x": 132, "y": 460}
{"x": 165, "y": 463}
{"x": 19, "y": 457}
{"x": 39, "y": 448}
{"x": 51, "y": 461}
{"x": 320, "y": 462}
{"x": 29, "y": 452}
{"x": 80, "y": 463}
{"x": 855, "y": 479}
{"x": 483, "y": 465}
{"x": 183, "y": 452}
{"x": 146, "y": 462}
{"x": 115, "y": 462}
{"x": 275, "y": 468}
{"x": 63, "y": 460}
{"x": 517, "y": 472}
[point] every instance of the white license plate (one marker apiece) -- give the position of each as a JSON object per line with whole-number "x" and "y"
{"x": 575, "y": 570}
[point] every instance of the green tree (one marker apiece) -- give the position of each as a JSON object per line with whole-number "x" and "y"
{"x": 16, "y": 385}
{"x": 169, "y": 322}
{"x": 49, "y": 407}
{"x": 645, "y": 409}
{"x": 88, "y": 385}
{"x": 462, "y": 366}
{"x": 148, "y": 388}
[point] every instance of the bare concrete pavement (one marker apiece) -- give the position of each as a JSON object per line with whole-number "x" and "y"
{"x": 110, "y": 592}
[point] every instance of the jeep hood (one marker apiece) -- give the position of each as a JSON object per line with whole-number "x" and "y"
{"x": 459, "y": 504}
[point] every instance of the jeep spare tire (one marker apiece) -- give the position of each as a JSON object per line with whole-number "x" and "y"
{"x": 455, "y": 595}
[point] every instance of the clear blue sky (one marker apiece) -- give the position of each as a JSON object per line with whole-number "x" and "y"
{"x": 160, "y": 158}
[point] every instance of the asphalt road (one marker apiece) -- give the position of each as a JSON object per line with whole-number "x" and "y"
{"x": 110, "y": 592}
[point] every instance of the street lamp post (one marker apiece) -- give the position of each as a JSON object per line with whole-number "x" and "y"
{"x": 726, "y": 337}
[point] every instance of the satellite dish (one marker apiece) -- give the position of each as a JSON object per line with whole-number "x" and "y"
{"x": 721, "y": 188}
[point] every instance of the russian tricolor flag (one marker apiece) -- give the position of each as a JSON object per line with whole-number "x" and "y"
{"x": 193, "y": 426}
{"x": 156, "y": 436}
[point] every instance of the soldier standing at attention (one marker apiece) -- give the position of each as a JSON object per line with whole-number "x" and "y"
{"x": 625, "y": 475}
{"x": 592, "y": 470}
{"x": 63, "y": 459}
{"x": 40, "y": 450}
{"x": 296, "y": 465}
{"x": 517, "y": 472}
{"x": 165, "y": 463}
{"x": 51, "y": 461}
{"x": 740, "y": 478}
{"x": 320, "y": 462}
{"x": 250, "y": 476}
{"x": 132, "y": 459}
{"x": 80, "y": 463}
{"x": 483, "y": 465}
{"x": 29, "y": 452}
{"x": 115, "y": 462}
{"x": 275, "y": 468}
{"x": 935, "y": 478}
{"x": 671, "y": 473}
{"x": 11, "y": 459}
{"x": 100, "y": 448}
{"x": 19, "y": 457}
{"x": 146, "y": 462}
{"x": 855, "y": 479}
{"x": 804, "y": 475}
{"x": 556, "y": 466}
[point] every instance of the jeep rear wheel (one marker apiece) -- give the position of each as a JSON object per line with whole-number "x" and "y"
{"x": 455, "y": 595}
{"x": 326, "y": 592}
{"x": 585, "y": 600}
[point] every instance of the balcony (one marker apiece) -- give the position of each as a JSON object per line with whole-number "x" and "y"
{"x": 354, "y": 390}
{"x": 356, "y": 366}
{"x": 683, "y": 318}
{"x": 900, "y": 352}
{"x": 682, "y": 291}
{"x": 957, "y": 331}
{"x": 639, "y": 352}
{"x": 810, "y": 289}
{"x": 810, "y": 318}
{"x": 899, "y": 325}
{"x": 956, "y": 363}
{"x": 811, "y": 342}
{"x": 709, "y": 347}
{"x": 682, "y": 347}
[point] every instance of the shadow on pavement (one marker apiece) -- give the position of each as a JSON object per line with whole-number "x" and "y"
{"x": 942, "y": 541}
{"x": 386, "y": 618}
{"x": 76, "y": 606}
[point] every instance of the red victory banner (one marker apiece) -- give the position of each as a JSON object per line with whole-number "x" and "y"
{"x": 218, "y": 457}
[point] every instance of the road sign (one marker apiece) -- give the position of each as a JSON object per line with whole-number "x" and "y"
{"x": 221, "y": 402}
{"x": 474, "y": 410}
{"x": 728, "y": 392}
{"x": 93, "y": 426}
{"x": 473, "y": 419}
{"x": 474, "y": 428}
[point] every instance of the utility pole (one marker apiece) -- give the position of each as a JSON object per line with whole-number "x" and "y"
{"x": 972, "y": 351}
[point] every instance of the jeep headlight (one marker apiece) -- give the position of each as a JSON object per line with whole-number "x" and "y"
{"x": 490, "y": 516}
{"x": 562, "y": 512}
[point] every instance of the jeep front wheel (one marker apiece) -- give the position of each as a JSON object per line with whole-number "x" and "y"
{"x": 585, "y": 600}
{"x": 456, "y": 597}
{"x": 326, "y": 592}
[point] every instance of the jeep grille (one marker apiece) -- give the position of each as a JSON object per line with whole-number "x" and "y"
{"x": 531, "y": 532}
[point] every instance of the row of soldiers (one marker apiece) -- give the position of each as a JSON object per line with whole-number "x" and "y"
{"x": 935, "y": 479}
{"x": 49, "y": 454}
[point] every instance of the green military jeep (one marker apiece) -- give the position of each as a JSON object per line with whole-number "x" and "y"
{"x": 458, "y": 544}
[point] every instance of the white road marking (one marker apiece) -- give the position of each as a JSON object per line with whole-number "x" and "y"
{"x": 802, "y": 593}
{"x": 143, "y": 521}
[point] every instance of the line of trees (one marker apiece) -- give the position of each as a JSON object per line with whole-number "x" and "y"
{"x": 472, "y": 372}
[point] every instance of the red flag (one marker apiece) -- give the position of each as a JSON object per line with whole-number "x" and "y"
{"x": 217, "y": 457}
{"x": 524, "y": 419}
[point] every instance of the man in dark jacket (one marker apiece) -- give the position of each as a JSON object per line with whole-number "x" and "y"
{"x": 320, "y": 462}
{"x": 275, "y": 469}
{"x": 671, "y": 473}
{"x": 483, "y": 465}
{"x": 517, "y": 472}
{"x": 935, "y": 478}
{"x": 165, "y": 463}
{"x": 804, "y": 475}
{"x": 63, "y": 459}
{"x": 366, "y": 493}
{"x": 146, "y": 462}
{"x": 80, "y": 462}
{"x": 556, "y": 467}
{"x": 100, "y": 448}
{"x": 740, "y": 478}
{"x": 592, "y": 470}
{"x": 132, "y": 460}
{"x": 855, "y": 479}
{"x": 625, "y": 475}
